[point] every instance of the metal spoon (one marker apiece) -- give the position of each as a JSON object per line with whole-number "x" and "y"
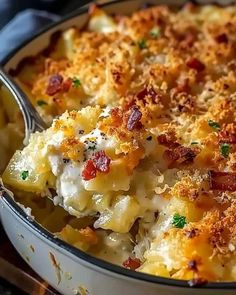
{"x": 33, "y": 121}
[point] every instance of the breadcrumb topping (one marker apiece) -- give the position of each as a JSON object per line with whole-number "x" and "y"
{"x": 163, "y": 157}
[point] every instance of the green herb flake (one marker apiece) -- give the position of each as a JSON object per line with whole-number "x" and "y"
{"x": 214, "y": 125}
{"x": 41, "y": 103}
{"x": 155, "y": 32}
{"x": 76, "y": 82}
{"x": 225, "y": 149}
{"x": 24, "y": 174}
{"x": 179, "y": 221}
{"x": 92, "y": 147}
{"x": 194, "y": 142}
{"x": 142, "y": 44}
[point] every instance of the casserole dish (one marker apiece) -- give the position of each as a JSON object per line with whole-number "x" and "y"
{"x": 64, "y": 271}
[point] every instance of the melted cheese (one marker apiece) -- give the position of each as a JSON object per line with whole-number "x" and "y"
{"x": 146, "y": 115}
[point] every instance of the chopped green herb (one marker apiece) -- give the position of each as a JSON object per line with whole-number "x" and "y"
{"x": 142, "y": 44}
{"x": 225, "y": 149}
{"x": 194, "y": 142}
{"x": 24, "y": 174}
{"x": 155, "y": 32}
{"x": 179, "y": 221}
{"x": 92, "y": 147}
{"x": 76, "y": 82}
{"x": 214, "y": 125}
{"x": 41, "y": 103}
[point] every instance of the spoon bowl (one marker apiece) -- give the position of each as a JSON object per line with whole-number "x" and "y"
{"x": 32, "y": 120}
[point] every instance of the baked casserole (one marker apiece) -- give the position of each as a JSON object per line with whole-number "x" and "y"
{"x": 142, "y": 143}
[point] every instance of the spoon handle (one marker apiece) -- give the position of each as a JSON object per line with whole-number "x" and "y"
{"x": 32, "y": 119}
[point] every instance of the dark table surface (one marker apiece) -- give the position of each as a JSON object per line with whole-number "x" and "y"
{"x": 8, "y": 289}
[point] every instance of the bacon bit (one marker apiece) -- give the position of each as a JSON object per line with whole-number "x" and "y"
{"x": 197, "y": 282}
{"x": 222, "y": 38}
{"x": 226, "y": 86}
{"x": 227, "y": 137}
{"x": 67, "y": 84}
{"x": 117, "y": 117}
{"x": 195, "y": 64}
{"x": 180, "y": 154}
{"x": 54, "y": 84}
{"x": 134, "y": 119}
{"x": 101, "y": 162}
{"x": 147, "y": 92}
{"x": 168, "y": 140}
{"x": 132, "y": 263}
{"x": 89, "y": 171}
{"x": 222, "y": 181}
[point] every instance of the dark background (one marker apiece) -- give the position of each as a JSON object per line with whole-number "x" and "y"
{"x": 9, "y": 8}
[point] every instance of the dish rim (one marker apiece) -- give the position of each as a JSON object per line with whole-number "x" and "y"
{"x": 65, "y": 247}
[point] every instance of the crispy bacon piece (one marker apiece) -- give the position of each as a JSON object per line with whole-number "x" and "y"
{"x": 67, "y": 84}
{"x": 101, "y": 162}
{"x": 227, "y": 137}
{"x": 89, "y": 171}
{"x": 195, "y": 64}
{"x": 222, "y": 38}
{"x": 134, "y": 119}
{"x": 179, "y": 154}
{"x": 117, "y": 117}
{"x": 54, "y": 84}
{"x": 147, "y": 92}
{"x": 132, "y": 263}
{"x": 168, "y": 140}
{"x": 222, "y": 181}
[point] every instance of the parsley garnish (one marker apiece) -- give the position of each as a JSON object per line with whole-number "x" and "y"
{"x": 41, "y": 103}
{"x": 214, "y": 125}
{"x": 142, "y": 44}
{"x": 76, "y": 82}
{"x": 225, "y": 149}
{"x": 194, "y": 142}
{"x": 179, "y": 221}
{"x": 92, "y": 147}
{"x": 155, "y": 32}
{"x": 24, "y": 174}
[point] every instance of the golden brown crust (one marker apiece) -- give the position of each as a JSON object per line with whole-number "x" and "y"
{"x": 169, "y": 78}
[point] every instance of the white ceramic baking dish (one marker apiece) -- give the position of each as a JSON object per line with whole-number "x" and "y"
{"x": 67, "y": 269}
